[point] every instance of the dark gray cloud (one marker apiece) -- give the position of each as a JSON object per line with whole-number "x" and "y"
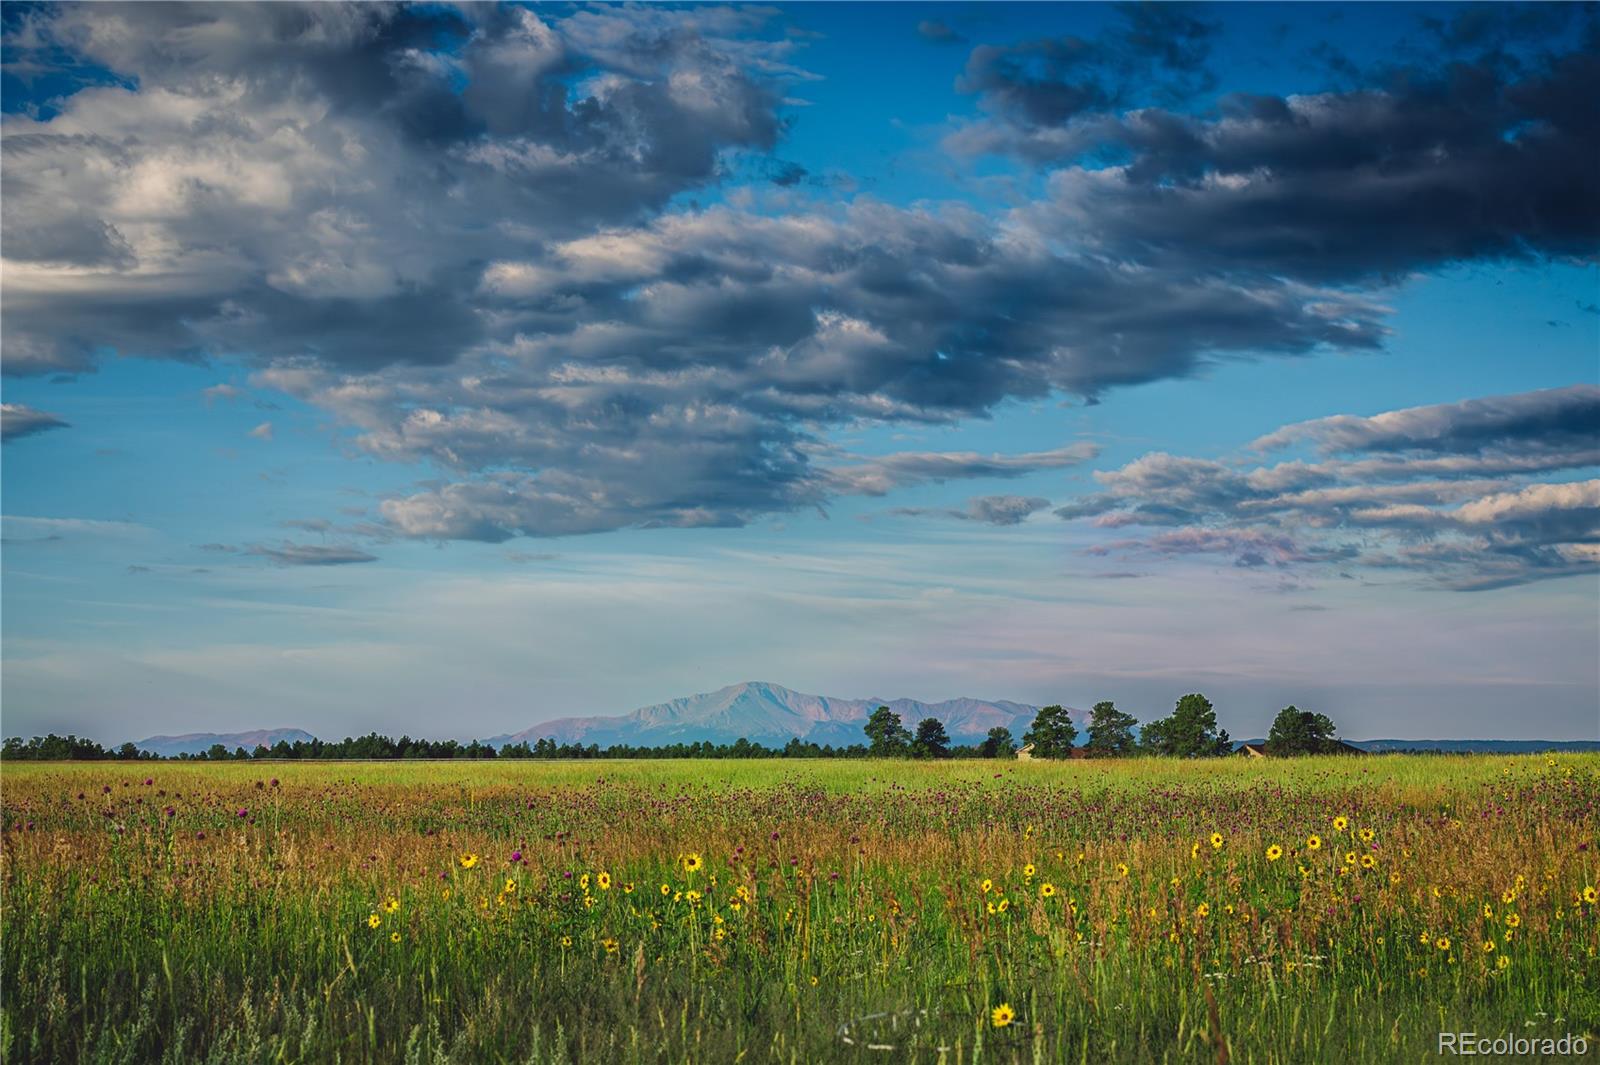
{"x": 1448, "y": 500}
{"x": 291, "y": 554}
{"x": 938, "y": 31}
{"x": 991, "y": 510}
{"x": 1554, "y": 419}
{"x": 1466, "y": 160}
{"x": 18, "y": 420}
{"x": 1155, "y": 52}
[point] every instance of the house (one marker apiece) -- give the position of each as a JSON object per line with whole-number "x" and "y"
{"x": 1025, "y": 752}
{"x": 1252, "y": 750}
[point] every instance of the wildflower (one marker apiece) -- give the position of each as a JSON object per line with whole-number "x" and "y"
{"x": 735, "y": 905}
{"x": 1394, "y": 878}
{"x": 1424, "y": 939}
{"x": 373, "y": 920}
{"x": 1488, "y": 911}
{"x": 1366, "y": 835}
{"x": 604, "y": 880}
{"x": 1002, "y": 906}
{"x": 1028, "y": 870}
{"x": 692, "y": 896}
{"x": 1513, "y": 920}
{"x": 665, "y": 890}
{"x": 610, "y": 944}
{"x": 1274, "y": 852}
{"x": 1368, "y": 861}
{"x": 987, "y": 885}
{"x": 1002, "y": 1015}
{"x": 1502, "y": 962}
{"x": 1194, "y": 850}
{"x": 989, "y": 906}
{"x": 1046, "y": 890}
{"x": 1341, "y": 823}
{"x": 1443, "y": 942}
{"x": 566, "y": 941}
{"x": 394, "y": 937}
{"x": 583, "y": 881}
{"x": 1488, "y": 946}
{"x": 692, "y": 863}
{"x": 1591, "y": 895}
{"x": 391, "y": 905}
{"x": 468, "y": 860}
{"x": 1202, "y": 910}
{"x": 1349, "y": 857}
{"x": 1122, "y": 870}
{"x": 1313, "y": 843}
{"x": 627, "y": 889}
{"x": 1508, "y": 896}
{"x": 1216, "y": 841}
{"x": 511, "y": 887}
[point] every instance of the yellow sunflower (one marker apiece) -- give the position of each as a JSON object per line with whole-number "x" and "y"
{"x": 1002, "y": 1015}
{"x": 1274, "y": 852}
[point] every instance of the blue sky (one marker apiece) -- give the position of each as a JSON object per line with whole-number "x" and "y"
{"x": 443, "y": 373}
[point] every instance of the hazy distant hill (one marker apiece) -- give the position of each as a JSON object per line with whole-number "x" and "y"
{"x": 195, "y": 742}
{"x": 1479, "y": 746}
{"x": 1463, "y": 746}
{"x": 771, "y": 714}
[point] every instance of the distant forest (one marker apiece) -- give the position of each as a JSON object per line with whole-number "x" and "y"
{"x": 1190, "y": 731}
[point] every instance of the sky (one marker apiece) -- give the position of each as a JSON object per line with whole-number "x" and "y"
{"x": 444, "y": 370}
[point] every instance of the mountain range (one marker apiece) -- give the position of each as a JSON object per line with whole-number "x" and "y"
{"x": 772, "y": 715}
{"x": 195, "y": 742}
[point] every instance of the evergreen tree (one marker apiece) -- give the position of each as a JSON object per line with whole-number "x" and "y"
{"x": 1110, "y": 731}
{"x": 1053, "y": 733}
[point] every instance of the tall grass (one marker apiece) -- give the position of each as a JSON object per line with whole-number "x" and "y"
{"x": 308, "y": 912}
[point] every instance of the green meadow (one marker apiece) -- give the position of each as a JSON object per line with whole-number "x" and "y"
{"x": 1318, "y": 909}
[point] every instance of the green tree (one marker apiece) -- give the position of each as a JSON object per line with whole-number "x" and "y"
{"x": 889, "y": 737}
{"x": 998, "y": 744}
{"x": 1296, "y": 731}
{"x": 1190, "y": 731}
{"x": 932, "y": 741}
{"x": 1053, "y": 733}
{"x": 1110, "y": 731}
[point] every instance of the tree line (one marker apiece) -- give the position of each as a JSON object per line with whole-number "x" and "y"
{"x": 1190, "y": 731}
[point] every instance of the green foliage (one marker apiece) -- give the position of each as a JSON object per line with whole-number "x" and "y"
{"x": 932, "y": 741}
{"x": 1110, "y": 731}
{"x": 1190, "y": 731}
{"x": 998, "y": 744}
{"x": 1298, "y": 732}
{"x": 889, "y": 737}
{"x": 1053, "y": 733}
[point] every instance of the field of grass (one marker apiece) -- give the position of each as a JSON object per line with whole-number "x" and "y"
{"x": 1255, "y": 911}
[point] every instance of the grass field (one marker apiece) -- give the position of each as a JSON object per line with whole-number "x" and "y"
{"x": 1256, "y": 911}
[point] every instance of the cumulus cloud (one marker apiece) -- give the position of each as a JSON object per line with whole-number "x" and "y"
{"x": 1425, "y": 506}
{"x": 290, "y": 179}
{"x": 18, "y": 420}
{"x": 261, "y": 432}
{"x": 464, "y": 233}
{"x": 292, "y": 554}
